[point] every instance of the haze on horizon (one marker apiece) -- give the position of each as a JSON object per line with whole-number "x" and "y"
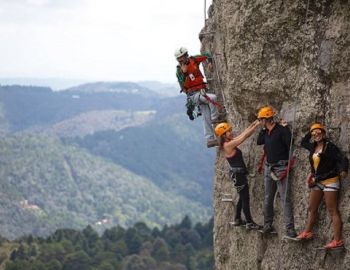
{"x": 88, "y": 40}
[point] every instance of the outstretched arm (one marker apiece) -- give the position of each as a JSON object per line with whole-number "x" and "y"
{"x": 242, "y": 137}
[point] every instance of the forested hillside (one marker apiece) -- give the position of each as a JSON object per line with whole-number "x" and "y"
{"x": 46, "y": 185}
{"x": 177, "y": 164}
{"x": 116, "y": 152}
{"x": 28, "y": 107}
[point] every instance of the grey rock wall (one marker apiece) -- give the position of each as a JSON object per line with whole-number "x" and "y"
{"x": 294, "y": 56}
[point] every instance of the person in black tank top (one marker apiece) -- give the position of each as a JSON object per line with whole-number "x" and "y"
{"x": 238, "y": 170}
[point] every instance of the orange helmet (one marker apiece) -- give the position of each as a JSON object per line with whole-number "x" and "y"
{"x": 222, "y": 128}
{"x": 317, "y": 126}
{"x": 266, "y": 112}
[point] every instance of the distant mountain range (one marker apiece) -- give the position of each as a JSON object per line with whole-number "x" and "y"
{"x": 117, "y": 152}
{"x": 163, "y": 89}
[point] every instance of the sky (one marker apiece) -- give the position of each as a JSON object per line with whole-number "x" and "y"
{"x": 97, "y": 40}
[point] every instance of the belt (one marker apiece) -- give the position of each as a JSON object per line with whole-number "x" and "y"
{"x": 192, "y": 92}
{"x": 235, "y": 170}
{"x": 278, "y": 163}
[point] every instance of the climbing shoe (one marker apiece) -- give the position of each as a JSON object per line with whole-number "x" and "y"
{"x": 305, "y": 235}
{"x": 238, "y": 222}
{"x": 334, "y": 244}
{"x": 212, "y": 143}
{"x": 291, "y": 233}
{"x": 253, "y": 226}
{"x": 268, "y": 229}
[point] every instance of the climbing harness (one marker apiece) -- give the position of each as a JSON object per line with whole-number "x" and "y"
{"x": 233, "y": 174}
{"x": 273, "y": 168}
{"x": 192, "y": 111}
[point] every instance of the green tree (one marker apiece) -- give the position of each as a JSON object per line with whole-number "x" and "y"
{"x": 105, "y": 266}
{"x": 77, "y": 261}
{"x": 186, "y": 223}
{"x": 133, "y": 241}
{"x": 18, "y": 265}
{"x": 136, "y": 262}
{"x": 205, "y": 260}
{"x": 121, "y": 248}
{"x": 21, "y": 253}
{"x": 54, "y": 251}
{"x": 54, "y": 265}
{"x": 160, "y": 250}
{"x": 114, "y": 234}
{"x": 38, "y": 265}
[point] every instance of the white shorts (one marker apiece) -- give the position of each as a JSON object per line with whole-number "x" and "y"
{"x": 329, "y": 187}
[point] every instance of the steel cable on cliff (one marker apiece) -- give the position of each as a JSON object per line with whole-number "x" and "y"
{"x": 297, "y": 77}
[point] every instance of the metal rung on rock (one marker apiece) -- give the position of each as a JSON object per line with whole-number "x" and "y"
{"x": 226, "y": 200}
{"x": 204, "y": 34}
{"x": 207, "y": 33}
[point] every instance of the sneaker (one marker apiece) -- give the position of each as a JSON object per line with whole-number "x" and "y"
{"x": 238, "y": 222}
{"x": 253, "y": 226}
{"x": 268, "y": 229}
{"x": 305, "y": 235}
{"x": 291, "y": 233}
{"x": 334, "y": 244}
{"x": 212, "y": 143}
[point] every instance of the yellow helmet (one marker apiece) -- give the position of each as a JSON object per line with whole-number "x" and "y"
{"x": 222, "y": 128}
{"x": 317, "y": 126}
{"x": 266, "y": 112}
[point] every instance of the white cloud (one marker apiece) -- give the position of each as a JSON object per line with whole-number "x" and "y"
{"x": 97, "y": 40}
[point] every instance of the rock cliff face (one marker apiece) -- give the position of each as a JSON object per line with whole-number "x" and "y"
{"x": 295, "y": 56}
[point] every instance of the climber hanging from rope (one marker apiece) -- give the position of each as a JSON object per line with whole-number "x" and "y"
{"x": 276, "y": 139}
{"x": 191, "y": 81}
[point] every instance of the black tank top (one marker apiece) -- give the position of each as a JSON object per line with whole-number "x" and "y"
{"x": 237, "y": 161}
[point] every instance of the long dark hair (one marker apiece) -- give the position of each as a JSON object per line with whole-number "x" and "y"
{"x": 222, "y": 140}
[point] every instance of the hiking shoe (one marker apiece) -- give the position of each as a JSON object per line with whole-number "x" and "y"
{"x": 291, "y": 233}
{"x": 221, "y": 118}
{"x": 334, "y": 244}
{"x": 212, "y": 143}
{"x": 238, "y": 222}
{"x": 268, "y": 229}
{"x": 253, "y": 226}
{"x": 218, "y": 121}
{"x": 305, "y": 235}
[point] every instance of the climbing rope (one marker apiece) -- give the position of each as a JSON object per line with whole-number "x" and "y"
{"x": 216, "y": 67}
{"x": 295, "y": 104}
{"x": 205, "y": 12}
{"x": 293, "y": 125}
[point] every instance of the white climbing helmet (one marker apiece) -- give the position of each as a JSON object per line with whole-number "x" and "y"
{"x": 180, "y": 52}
